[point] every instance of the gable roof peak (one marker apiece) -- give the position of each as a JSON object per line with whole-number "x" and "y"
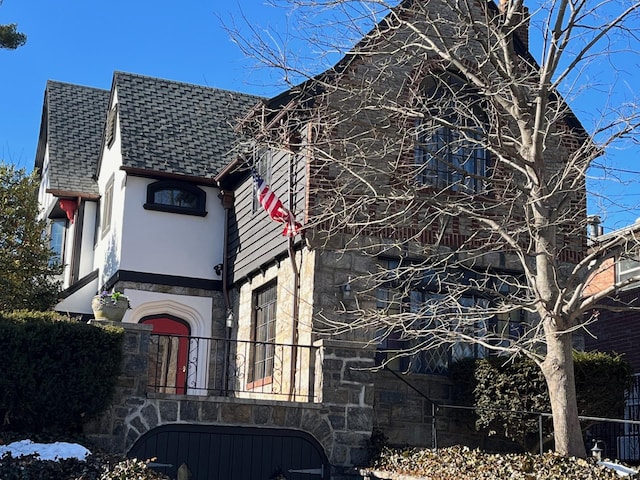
{"x": 175, "y": 128}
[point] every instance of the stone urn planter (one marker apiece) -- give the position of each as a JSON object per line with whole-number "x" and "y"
{"x": 110, "y": 306}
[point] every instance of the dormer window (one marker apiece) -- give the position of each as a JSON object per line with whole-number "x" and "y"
{"x": 176, "y": 197}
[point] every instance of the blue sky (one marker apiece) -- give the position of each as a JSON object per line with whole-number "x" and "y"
{"x": 84, "y": 42}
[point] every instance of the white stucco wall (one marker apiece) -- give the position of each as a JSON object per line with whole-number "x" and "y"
{"x": 86, "y": 247}
{"x": 47, "y": 203}
{"x": 154, "y": 242}
{"x": 68, "y": 253}
{"x": 45, "y": 199}
{"x": 107, "y": 250}
{"x": 80, "y": 301}
{"x": 171, "y": 243}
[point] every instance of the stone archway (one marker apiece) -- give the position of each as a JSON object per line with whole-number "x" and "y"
{"x": 198, "y": 326}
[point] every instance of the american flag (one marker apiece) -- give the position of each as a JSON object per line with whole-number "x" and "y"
{"x": 272, "y": 204}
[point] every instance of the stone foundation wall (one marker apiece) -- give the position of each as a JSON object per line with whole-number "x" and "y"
{"x": 110, "y": 429}
{"x": 342, "y": 422}
{"x": 405, "y": 416}
{"x": 347, "y": 398}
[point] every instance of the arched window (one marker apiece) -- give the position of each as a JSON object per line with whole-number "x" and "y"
{"x": 176, "y": 197}
{"x": 450, "y": 148}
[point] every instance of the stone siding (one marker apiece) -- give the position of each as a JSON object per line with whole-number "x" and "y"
{"x": 341, "y": 423}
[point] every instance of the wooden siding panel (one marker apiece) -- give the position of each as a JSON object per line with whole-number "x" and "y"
{"x": 255, "y": 239}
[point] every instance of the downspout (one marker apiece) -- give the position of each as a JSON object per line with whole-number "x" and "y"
{"x": 294, "y": 326}
{"x": 296, "y": 287}
{"x": 227, "y": 203}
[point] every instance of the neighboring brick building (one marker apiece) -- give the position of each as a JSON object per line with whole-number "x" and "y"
{"x": 616, "y": 328}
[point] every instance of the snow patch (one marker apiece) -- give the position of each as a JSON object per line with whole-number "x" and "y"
{"x": 45, "y": 451}
{"x": 621, "y": 470}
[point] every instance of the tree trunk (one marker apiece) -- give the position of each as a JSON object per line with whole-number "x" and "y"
{"x": 559, "y": 374}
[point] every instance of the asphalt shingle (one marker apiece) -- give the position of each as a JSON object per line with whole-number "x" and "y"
{"x": 165, "y": 126}
{"x": 75, "y": 121}
{"x": 178, "y": 128}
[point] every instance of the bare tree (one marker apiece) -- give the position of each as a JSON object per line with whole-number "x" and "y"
{"x": 445, "y": 150}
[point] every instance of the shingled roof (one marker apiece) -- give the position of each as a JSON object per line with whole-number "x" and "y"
{"x": 72, "y": 124}
{"x": 177, "y": 128}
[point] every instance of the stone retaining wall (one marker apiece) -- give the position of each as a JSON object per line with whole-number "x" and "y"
{"x": 342, "y": 422}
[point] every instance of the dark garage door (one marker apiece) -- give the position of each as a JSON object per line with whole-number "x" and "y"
{"x": 213, "y": 452}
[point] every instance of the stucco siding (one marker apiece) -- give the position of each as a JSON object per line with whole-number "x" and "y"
{"x": 171, "y": 243}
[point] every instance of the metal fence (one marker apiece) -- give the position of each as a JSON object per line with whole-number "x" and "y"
{"x": 240, "y": 368}
{"x": 619, "y": 439}
{"x": 604, "y": 437}
{"x": 614, "y": 438}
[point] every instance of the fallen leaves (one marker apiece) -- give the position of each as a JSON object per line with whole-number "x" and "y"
{"x": 463, "y": 463}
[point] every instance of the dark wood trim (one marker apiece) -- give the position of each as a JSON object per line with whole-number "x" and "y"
{"x": 142, "y": 172}
{"x": 79, "y": 284}
{"x": 260, "y": 382}
{"x": 159, "y": 279}
{"x": 77, "y": 242}
{"x": 71, "y": 194}
{"x": 234, "y": 173}
{"x": 231, "y": 167}
{"x": 158, "y": 207}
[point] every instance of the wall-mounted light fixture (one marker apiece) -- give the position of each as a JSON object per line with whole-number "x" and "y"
{"x": 218, "y": 269}
{"x": 346, "y": 290}
{"x": 230, "y": 319}
{"x": 596, "y": 450}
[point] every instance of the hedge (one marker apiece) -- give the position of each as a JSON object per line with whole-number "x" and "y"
{"x": 496, "y": 383}
{"x": 57, "y": 373}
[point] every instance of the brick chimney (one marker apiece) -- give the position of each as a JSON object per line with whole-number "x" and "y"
{"x": 520, "y": 21}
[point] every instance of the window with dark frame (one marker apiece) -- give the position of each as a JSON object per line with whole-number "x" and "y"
{"x": 107, "y": 206}
{"x": 263, "y": 337}
{"x": 262, "y": 163}
{"x": 57, "y": 235}
{"x": 449, "y": 158}
{"x": 449, "y": 152}
{"x": 503, "y": 327}
{"x": 176, "y": 197}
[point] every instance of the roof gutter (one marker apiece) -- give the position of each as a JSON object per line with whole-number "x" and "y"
{"x": 143, "y": 172}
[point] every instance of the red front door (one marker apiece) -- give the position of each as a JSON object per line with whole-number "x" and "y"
{"x": 172, "y": 354}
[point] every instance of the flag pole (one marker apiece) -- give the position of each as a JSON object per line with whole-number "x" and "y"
{"x": 276, "y": 210}
{"x": 294, "y": 326}
{"x": 296, "y": 288}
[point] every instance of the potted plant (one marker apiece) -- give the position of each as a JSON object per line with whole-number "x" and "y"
{"x": 110, "y": 306}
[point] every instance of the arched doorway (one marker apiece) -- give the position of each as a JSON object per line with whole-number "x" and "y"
{"x": 168, "y": 354}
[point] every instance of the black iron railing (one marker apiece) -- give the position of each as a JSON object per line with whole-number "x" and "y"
{"x": 613, "y": 438}
{"x": 619, "y": 439}
{"x": 212, "y": 366}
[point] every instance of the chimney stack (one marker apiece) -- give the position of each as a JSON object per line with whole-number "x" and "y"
{"x": 595, "y": 229}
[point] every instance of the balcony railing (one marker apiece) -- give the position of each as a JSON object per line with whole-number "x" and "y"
{"x": 239, "y": 368}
